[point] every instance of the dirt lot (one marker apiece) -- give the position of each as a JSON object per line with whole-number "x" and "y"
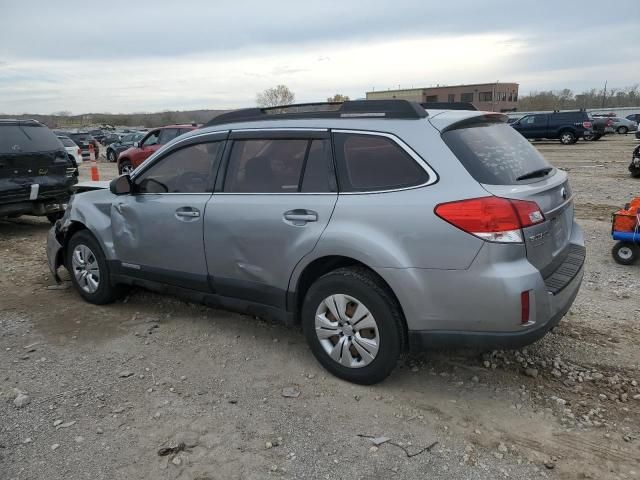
{"x": 109, "y": 386}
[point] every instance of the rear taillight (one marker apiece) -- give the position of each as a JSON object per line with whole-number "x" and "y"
{"x": 79, "y": 152}
{"x": 493, "y": 219}
{"x": 587, "y": 125}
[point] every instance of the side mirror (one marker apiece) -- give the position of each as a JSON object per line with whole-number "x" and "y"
{"x": 121, "y": 185}
{"x": 136, "y": 144}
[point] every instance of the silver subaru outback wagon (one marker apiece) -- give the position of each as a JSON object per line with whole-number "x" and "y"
{"x": 380, "y": 226}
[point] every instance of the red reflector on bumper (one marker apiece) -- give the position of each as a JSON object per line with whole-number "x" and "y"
{"x": 524, "y": 302}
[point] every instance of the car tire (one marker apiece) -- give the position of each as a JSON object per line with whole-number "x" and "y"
{"x": 111, "y": 156}
{"x": 89, "y": 270}
{"x": 125, "y": 167}
{"x": 54, "y": 217}
{"x": 625, "y": 253}
{"x": 622, "y": 130}
{"x": 374, "y": 343}
{"x": 567, "y": 137}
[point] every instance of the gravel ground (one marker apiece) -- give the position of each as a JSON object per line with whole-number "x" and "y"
{"x": 95, "y": 392}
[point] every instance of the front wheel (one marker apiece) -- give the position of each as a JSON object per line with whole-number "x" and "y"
{"x": 89, "y": 270}
{"x": 625, "y": 253}
{"x": 622, "y": 130}
{"x": 111, "y": 156}
{"x": 126, "y": 167}
{"x": 353, "y": 325}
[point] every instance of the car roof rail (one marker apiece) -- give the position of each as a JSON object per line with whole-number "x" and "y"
{"x": 448, "y": 106}
{"x": 395, "y": 109}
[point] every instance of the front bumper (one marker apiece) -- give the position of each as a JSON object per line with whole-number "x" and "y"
{"x": 54, "y": 252}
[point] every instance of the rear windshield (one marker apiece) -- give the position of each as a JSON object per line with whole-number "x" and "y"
{"x": 494, "y": 153}
{"x": 27, "y": 138}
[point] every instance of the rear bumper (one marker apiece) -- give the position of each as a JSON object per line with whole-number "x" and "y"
{"x": 34, "y": 207}
{"x": 480, "y": 307}
{"x": 430, "y": 339}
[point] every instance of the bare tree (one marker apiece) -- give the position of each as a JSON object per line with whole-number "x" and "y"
{"x": 276, "y": 96}
{"x": 338, "y": 97}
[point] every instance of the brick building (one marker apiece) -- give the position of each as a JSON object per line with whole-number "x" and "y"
{"x": 494, "y": 97}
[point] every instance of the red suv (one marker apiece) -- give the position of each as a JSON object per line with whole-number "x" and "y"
{"x": 152, "y": 141}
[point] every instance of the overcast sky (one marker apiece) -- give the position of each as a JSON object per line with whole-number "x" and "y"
{"x": 133, "y": 56}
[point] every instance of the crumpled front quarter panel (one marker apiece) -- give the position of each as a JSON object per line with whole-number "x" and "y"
{"x": 93, "y": 210}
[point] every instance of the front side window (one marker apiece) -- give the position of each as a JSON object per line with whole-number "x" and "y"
{"x": 187, "y": 170}
{"x": 266, "y": 166}
{"x": 152, "y": 139}
{"x": 373, "y": 162}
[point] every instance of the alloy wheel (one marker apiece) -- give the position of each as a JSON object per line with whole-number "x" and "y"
{"x": 347, "y": 331}
{"x": 85, "y": 268}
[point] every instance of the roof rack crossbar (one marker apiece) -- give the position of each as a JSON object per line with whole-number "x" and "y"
{"x": 396, "y": 109}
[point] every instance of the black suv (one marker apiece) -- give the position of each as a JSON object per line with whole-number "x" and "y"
{"x": 36, "y": 173}
{"x": 567, "y": 127}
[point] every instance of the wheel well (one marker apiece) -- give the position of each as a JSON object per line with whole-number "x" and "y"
{"x": 324, "y": 265}
{"x": 70, "y": 232}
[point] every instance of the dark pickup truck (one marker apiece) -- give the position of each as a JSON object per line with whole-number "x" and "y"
{"x": 36, "y": 173}
{"x": 568, "y": 127}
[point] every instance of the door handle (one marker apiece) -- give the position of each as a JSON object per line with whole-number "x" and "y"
{"x": 301, "y": 215}
{"x": 187, "y": 212}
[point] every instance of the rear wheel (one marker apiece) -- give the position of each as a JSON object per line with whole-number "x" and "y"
{"x": 89, "y": 269}
{"x": 353, "y": 325}
{"x": 111, "y": 156}
{"x": 625, "y": 253}
{"x": 622, "y": 130}
{"x": 567, "y": 137}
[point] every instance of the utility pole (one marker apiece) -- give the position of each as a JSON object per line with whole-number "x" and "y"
{"x": 604, "y": 93}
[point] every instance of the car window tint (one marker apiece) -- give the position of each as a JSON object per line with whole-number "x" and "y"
{"x": 67, "y": 142}
{"x": 494, "y": 153}
{"x": 187, "y": 170}
{"x": 167, "y": 134}
{"x": 318, "y": 171}
{"x": 265, "y": 166}
{"x": 373, "y": 162}
{"x": 151, "y": 139}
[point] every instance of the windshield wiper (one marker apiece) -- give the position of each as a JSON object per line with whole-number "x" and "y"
{"x": 541, "y": 172}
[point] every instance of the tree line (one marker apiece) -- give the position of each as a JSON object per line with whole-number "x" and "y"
{"x": 566, "y": 99}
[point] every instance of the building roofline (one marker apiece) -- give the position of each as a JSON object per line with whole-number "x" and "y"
{"x": 445, "y": 86}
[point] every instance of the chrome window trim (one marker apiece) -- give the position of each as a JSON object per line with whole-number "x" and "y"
{"x": 280, "y": 129}
{"x": 433, "y": 176}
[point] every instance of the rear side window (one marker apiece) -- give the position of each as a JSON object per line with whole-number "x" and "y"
{"x": 494, "y": 153}
{"x": 373, "y": 162}
{"x": 318, "y": 176}
{"x": 27, "y": 138}
{"x": 167, "y": 134}
{"x": 266, "y": 166}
